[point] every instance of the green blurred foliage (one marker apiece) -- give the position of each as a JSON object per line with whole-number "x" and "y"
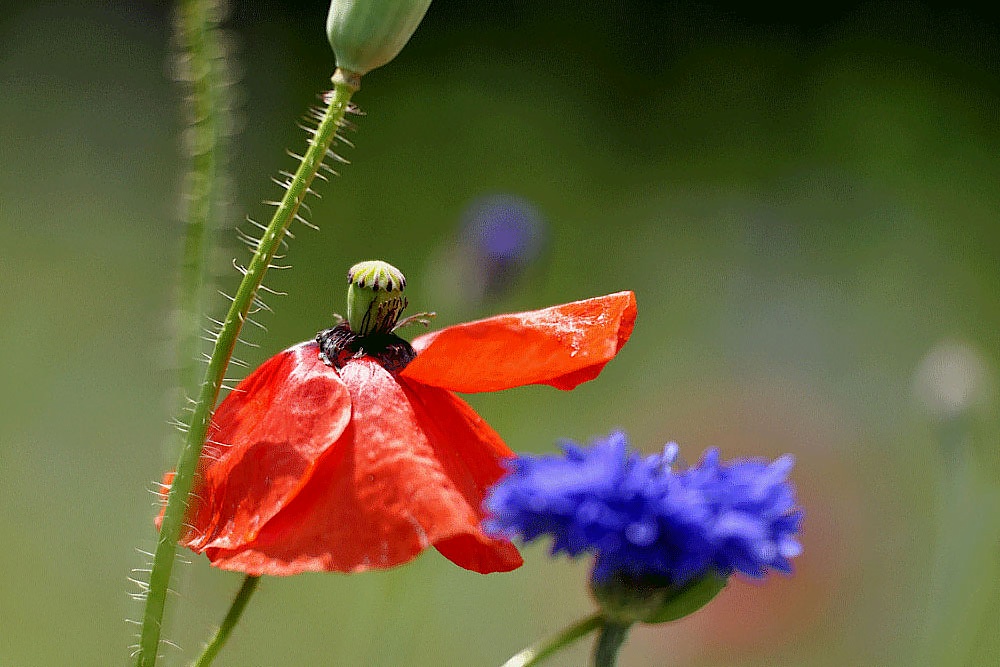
{"x": 805, "y": 204}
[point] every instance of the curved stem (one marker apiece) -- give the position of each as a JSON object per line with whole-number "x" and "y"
{"x": 229, "y": 622}
{"x": 246, "y": 294}
{"x": 534, "y": 655}
{"x": 609, "y": 641}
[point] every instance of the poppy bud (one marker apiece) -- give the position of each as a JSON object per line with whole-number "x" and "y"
{"x": 366, "y": 34}
{"x": 374, "y": 297}
{"x": 652, "y": 599}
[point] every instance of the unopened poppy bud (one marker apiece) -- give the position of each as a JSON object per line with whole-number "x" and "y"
{"x": 366, "y": 34}
{"x": 374, "y": 297}
{"x": 653, "y": 599}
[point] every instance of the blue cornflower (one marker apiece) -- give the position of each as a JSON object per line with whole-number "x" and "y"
{"x": 754, "y": 519}
{"x": 642, "y": 517}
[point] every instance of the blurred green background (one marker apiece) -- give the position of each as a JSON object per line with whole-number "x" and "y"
{"x": 805, "y": 203}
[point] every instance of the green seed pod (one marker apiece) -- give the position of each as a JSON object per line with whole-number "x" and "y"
{"x": 366, "y": 34}
{"x": 374, "y": 297}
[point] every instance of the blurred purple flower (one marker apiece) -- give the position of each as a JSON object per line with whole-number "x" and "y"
{"x": 502, "y": 235}
{"x": 640, "y": 517}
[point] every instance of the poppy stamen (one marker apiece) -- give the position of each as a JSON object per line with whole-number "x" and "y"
{"x": 339, "y": 344}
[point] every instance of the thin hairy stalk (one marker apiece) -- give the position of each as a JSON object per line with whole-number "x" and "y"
{"x": 534, "y": 655}
{"x": 609, "y": 641}
{"x": 173, "y": 518}
{"x": 200, "y": 69}
{"x": 229, "y": 622}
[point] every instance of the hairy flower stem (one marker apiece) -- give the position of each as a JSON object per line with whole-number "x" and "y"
{"x": 534, "y": 655}
{"x": 197, "y": 34}
{"x": 609, "y": 641}
{"x": 229, "y": 622}
{"x": 173, "y": 517}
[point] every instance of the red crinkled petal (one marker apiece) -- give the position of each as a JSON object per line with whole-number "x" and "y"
{"x": 561, "y": 346}
{"x": 263, "y": 445}
{"x": 471, "y": 453}
{"x": 385, "y": 491}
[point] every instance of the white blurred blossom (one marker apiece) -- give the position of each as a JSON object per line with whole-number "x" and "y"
{"x": 952, "y": 378}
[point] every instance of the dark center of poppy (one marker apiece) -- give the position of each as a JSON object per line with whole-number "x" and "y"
{"x": 340, "y": 344}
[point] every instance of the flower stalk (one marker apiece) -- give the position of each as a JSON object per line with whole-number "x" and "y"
{"x": 246, "y": 294}
{"x": 229, "y": 622}
{"x": 609, "y": 642}
{"x": 199, "y": 70}
{"x": 964, "y": 562}
{"x": 535, "y": 655}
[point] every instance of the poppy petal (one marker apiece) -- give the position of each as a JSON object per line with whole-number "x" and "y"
{"x": 471, "y": 453}
{"x": 561, "y": 346}
{"x": 263, "y": 444}
{"x": 377, "y": 498}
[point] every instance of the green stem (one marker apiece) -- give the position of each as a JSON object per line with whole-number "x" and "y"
{"x": 609, "y": 641}
{"x": 197, "y": 32}
{"x": 534, "y": 655}
{"x": 173, "y": 517}
{"x": 229, "y": 622}
{"x": 958, "y": 586}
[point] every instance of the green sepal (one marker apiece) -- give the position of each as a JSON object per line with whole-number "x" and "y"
{"x": 689, "y": 598}
{"x": 627, "y": 599}
{"x": 366, "y": 34}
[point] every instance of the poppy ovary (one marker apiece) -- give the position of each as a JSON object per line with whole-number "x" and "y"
{"x": 374, "y": 297}
{"x": 374, "y": 303}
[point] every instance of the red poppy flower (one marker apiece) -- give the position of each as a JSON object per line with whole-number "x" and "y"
{"x": 358, "y": 464}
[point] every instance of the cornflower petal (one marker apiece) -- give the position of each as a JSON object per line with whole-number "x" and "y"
{"x": 642, "y": 518}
